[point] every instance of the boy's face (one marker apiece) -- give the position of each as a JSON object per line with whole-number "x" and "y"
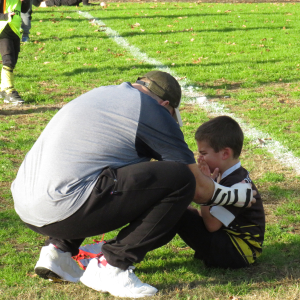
{"x": 212, "y": 158}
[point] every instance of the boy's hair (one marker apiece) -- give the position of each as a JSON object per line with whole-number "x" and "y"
{"x": 222, "y": 132}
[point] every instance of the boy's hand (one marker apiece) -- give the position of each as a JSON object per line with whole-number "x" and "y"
{"x": 204, "y": 168}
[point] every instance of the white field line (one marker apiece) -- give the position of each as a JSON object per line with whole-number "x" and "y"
{"x": 190, "y": 94}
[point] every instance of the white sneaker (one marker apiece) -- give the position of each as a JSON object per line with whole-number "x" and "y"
{"x": 102, "y": 277}
{"x": 57, "y": 265}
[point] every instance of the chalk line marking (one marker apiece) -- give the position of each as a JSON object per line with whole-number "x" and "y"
{"x": 190, "y": 94}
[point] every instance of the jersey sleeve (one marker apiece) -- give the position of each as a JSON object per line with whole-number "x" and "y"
{"x": 222, "y": 214}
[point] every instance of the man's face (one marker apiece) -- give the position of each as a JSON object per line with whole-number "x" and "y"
{"x": 212, "y": 158}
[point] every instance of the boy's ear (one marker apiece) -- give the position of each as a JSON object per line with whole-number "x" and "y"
{"x": 226, "y": 153}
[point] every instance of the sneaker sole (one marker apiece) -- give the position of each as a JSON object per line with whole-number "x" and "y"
{"x": 13, "y": 103}
{"x": 47, "y": 274}
{"x": 87, "y": 282}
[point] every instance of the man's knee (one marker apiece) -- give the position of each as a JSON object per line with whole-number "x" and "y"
{"x": 183, "y": 176}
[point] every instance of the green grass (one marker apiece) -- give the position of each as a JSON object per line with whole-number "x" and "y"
{"x": 247, "y": 52}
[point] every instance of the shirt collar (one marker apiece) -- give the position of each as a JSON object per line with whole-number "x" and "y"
{"x": 230, "y": 170}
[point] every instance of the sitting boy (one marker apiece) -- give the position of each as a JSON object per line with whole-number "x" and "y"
{"x": 223, "y": 236}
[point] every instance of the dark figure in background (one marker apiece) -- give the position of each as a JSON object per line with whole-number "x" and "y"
{"x": 10, "y": 25}
{"x": 26, "y": 20}
{"x": 63, "y": 3}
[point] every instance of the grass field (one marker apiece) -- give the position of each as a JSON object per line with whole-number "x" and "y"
{"x": 244, "y": 57}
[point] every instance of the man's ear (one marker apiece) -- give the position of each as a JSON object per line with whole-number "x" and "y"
{"x": 226, "y": 153}
{"x": 165, "y": 103}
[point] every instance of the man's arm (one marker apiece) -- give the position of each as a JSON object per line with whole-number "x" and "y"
{"x": 204, "y": 186}
{"x": 209, "y": 192}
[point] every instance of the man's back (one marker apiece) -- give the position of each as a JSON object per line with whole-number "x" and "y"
{"x": 111, "y": 126}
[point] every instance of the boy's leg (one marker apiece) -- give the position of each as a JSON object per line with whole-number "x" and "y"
{"x": 223, "y": 253}
{"x": 148, "y": 197}
{"x": 214, "y": 248}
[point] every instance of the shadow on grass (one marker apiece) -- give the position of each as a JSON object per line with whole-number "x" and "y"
{"x": 29, "y": 110}
{"x": 278, "y": 263}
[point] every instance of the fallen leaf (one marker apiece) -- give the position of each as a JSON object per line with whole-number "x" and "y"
{"x": 142, "y": 30}
{"x": 46, "y": 62}
{"x": 40, "y": 20}
{"x": 197, "y": 61}
{"x": 38, "y": 33}
{"x": 71, "y": 29}
{"x": 192, "y": 40}
{"x": 68, "y": 17}
{"x": 31, "y": 275}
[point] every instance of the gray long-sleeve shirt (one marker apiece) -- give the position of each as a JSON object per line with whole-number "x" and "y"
{"x": 112, "y": 126}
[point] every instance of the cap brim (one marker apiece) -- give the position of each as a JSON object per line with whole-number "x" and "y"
{"x": 177, "y": 117}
